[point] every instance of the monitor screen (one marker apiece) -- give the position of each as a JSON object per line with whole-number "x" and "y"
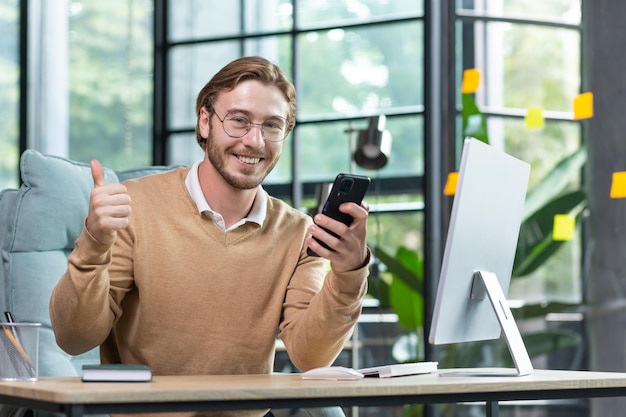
{"x": 480, "y": 249}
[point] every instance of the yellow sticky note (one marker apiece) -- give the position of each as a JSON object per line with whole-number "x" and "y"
{"x": 471, "y": 80}
{"x": 534, "y": 118}
{"x": 583, "y": 106}
{"x": 450, "y": 188}
{"x": 618, "y": 185}
{"x": 564, "y": 226}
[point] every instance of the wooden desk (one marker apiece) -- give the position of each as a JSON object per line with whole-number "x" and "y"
{"x": 186, "y": 393}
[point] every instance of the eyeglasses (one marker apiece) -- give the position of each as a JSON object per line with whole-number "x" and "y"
{"x": 236, "y": 124}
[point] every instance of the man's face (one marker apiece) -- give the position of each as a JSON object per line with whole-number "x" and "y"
{"x": 244, "y": 162}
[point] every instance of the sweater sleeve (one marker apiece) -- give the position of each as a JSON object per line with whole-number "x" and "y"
{"x": 84, "y": 304}
{"x": 318, "y": 322}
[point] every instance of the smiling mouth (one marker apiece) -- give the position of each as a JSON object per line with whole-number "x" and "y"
{"x": 249, "y": 160}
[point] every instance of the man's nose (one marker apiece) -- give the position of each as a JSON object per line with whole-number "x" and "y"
{"x": 254, "y": 137}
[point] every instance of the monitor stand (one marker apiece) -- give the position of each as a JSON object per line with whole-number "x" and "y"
{"x": 486, "y": 284}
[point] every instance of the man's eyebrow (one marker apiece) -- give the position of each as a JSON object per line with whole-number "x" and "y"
{"x": 237, "y": 110}
{"x": 249, "y": 114}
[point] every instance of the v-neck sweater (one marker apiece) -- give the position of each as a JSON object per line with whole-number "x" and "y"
{"x": 177, "y": 293}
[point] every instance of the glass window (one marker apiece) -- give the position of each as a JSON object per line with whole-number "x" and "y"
{"x": 528, "y": 54}
{"x": 565, "y": 11}
{"x": 560, "y": 277}
{"x": 364, "y": 70}
{"x": 192, "y": 66}
{"x": 406, "y": 158}
{"x": 9, "y": 93}
{"x": 193, "y": 19}
{"x": 343, "y": 75}
{"x": 342, "y": 12}
{"x": 183, "y": 149}
{"x": 392, "y": 230}
{"x": 544, "y": 60}
{"x": 110, "y": 82}
{"x": 541, "y": 148}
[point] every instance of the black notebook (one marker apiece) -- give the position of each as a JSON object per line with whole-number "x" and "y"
{"x": 116, "y": 372}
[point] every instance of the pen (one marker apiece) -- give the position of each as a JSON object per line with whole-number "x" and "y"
{"x": 11, "y": 319}
{"x": 7, "y": 345}
{"x": 14, "y": 339}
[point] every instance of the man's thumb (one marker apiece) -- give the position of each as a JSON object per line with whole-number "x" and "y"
{"x": 97, "y": 172}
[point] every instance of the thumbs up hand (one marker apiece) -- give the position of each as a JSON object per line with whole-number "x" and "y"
{"x": 109, "y": 207}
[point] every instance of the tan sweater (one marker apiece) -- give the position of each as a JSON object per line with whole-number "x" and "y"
{"x": 178, "y": 294}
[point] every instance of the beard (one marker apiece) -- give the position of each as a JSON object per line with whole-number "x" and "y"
{"x": 246, "y": 179}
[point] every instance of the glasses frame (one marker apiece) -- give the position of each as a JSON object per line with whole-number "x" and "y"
{"x": 250, "y": 123}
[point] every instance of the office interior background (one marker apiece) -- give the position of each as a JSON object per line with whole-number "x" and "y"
{"x": 117, "y": 81}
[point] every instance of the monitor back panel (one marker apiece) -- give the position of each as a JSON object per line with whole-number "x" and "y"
{"x": 482, "y": 235}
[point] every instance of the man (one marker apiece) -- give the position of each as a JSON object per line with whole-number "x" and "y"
{"x": 193, "y": 271}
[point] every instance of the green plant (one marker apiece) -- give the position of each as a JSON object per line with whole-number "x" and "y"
{"x": 545, "y": 200}
{"x": 402, "y": 291}
{"x": 401, "y": 288}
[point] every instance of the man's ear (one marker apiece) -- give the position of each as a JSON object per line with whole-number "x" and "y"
{"x": 204, "y": 122}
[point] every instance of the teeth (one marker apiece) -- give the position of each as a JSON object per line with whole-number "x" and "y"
{"x": 247, "y": 160}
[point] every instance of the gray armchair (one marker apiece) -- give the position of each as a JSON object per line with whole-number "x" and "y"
{"x": 39, "y": 223}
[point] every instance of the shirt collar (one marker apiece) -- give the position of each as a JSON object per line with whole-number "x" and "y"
{"x": 256, "y": 214}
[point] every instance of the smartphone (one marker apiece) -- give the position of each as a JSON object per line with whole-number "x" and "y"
{"x": 346, "y": 188}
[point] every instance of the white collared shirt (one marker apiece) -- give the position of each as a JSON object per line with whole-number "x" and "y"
{"x": 256, "y": 214}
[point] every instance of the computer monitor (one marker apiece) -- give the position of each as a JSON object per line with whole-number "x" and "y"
{"x": 479, "y": 253}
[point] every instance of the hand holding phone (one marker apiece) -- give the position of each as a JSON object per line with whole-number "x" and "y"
{"x": 346, "y": 188}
